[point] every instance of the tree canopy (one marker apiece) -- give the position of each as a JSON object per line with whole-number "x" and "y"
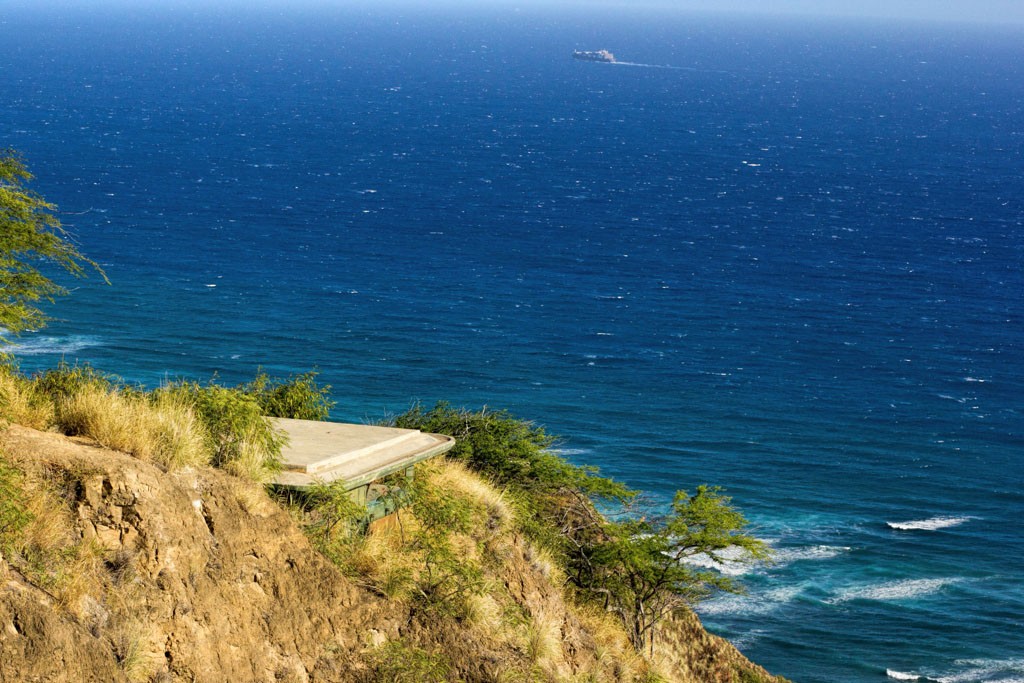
{"x": 642, "y": 567}
{"x": 32, "y": 242}
{"x": 644, "y": 570}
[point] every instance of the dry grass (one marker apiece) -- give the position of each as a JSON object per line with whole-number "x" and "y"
{"x": 541, "y": 561}
{"x": 544, "y": 639}
{"x": 253, "y": 461}
{"x": 166, "y": 432}
{"x": 177, "y": 433}
{"x": 47, "y": 550}
{"x": 454, "y": 477}
{"x": 384, "y": 565}
{"x": 134, "y": 650}
{"x": 615, "y": 658}
{"x": 113, "y": 420}
{"x": 21, "y": 403}
{"x": 487, "y": 616}
{"x": 254, "y": 500}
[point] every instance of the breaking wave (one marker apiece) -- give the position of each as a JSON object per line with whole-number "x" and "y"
{"x": 38, "y": 346}
{"x": 970, "y": 671}
{"x": 928, "y": 524}
{"x": 784, "y": 556}
{"x": 735, "y": 561}
{"x": 894, "y": 590}
{"x": 993, "y": 670}
{"x": 900, "y": 676}
{"x": 760, "y": 603}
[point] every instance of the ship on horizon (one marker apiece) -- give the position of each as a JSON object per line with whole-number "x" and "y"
{"x": 594, "y": 56}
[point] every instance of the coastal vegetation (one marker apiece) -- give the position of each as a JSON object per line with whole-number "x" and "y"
{"x": 503, "y": 504}
{"x": 506, "y": 562}
{"x": 32, "y": 241}
{"x": 635, "y": 566}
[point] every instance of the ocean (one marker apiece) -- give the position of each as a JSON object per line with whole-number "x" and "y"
{"x": 781, "y": 256}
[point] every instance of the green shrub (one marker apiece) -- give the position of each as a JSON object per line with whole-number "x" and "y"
{"x": 65, "y": 381}
{"x": 635, "y": 568}
{"x": 641, "y": 569}
{"x": 398, "y": 662}
{"x": 298, "y": 397}
{"x": 240, "y": 438}
{"x": 510, "y": 451}
{"x": 751, "y": 676}
{"x": 517, "y": 455}
{"x": 330, "y": 518}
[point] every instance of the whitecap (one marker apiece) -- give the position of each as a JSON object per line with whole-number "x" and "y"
{"x": 930, "y": 524}
{"x": 905, "y": 589}
{"x": 744, "y": 641}
{"x": 784, "y": 556}
{"x": 571, "y": 451}
{"x": 38, "y": 346}
{"x": 760, "y": 603}
{"x": 900, "y": 676}
{"x": 734, "y": 561}
{"x": 986, "y": 669}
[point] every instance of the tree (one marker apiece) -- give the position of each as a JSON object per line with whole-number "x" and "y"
{"x": 643, "y": 571}
{"x": 31, "y": 239}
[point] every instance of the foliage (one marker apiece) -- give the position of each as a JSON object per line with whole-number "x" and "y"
{"x": 398, "y": 662}
{"x": 20, "y": 400}
{"x": 31, "y": 238}
{"x": 181, "y": 424}
{"x": 639, "y": 569}
{"x": 240, "y": 438}
{"x": 751, "y": 676}
{"x": 299, "y": 397}
{"x": 14, "y": 515}
{"x": 448, "y": 575}
{"x": 509, "y": 451}
{"x": 517, "y": 455}
{"x": 177, "y": 433}
{"x": 66, "y": 380}
{"x": 643, "y": 570}
{"x": 331, "y": 518}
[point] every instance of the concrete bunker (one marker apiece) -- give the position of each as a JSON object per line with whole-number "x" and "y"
{"x": 359, "y": 455}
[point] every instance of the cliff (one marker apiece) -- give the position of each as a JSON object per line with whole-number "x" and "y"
{"x": 113, "y": 569}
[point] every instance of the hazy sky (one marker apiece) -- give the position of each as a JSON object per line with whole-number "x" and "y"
{"x": 1009, "y": 12}
{"x": 989, "y": 11}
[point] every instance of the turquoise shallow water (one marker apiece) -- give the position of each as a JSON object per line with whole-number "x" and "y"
{"x": 791, "y": 267}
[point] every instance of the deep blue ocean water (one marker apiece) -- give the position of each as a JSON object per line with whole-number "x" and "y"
{"x": 791, "y": 266}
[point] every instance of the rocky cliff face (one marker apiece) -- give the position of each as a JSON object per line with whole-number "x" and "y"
{"x": 198, "y": 576}
{"x": 207, "y": 580}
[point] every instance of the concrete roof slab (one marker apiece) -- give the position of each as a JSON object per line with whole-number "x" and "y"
{"x": 356, "y": 454}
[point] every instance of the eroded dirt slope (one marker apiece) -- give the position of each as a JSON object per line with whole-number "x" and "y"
{"x": 199, "y": 576}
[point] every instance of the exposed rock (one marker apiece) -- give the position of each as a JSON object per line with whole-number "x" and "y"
{"x": 222, "y": 585}
{"x": 205, "y": 578}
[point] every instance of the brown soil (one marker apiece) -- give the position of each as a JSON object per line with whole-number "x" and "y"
{"x": 201, "y": 577}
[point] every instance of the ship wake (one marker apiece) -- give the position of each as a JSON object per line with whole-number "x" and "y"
{"x": 666, "y": 66}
